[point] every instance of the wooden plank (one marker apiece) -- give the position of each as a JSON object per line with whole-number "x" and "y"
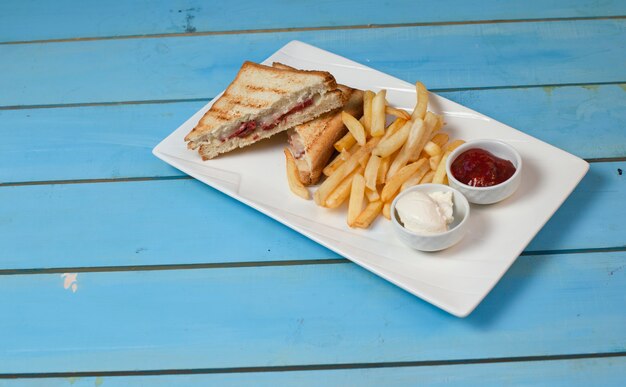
{"x": 453, "y": 56}
{"x": 104, "y": 142}
{"x": 187, "y": 222}
{"x": 302, "y": 315}
{"x": 150, "y": 222}
{"x": 94, "y": 142}
{"x": 569, "y": 228}
{"x": 565, "y": 373}
{"x": 36, "y": 20}
{"x": 587, "y": 121}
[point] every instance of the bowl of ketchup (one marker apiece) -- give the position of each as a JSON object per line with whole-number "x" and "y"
{"x": 485, "y": 171}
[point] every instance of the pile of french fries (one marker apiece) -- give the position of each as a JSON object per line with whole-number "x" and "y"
{"x": 376, "y": 162}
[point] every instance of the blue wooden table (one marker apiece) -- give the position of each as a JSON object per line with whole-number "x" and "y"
{"x": 118, "y": 270}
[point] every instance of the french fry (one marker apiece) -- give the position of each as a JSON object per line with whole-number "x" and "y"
{"x": 355, "y": 204}
{"x": 414, "y": 179}
{"x": 330, "y": 168}
{"x": 342, "y": 192}
{"x": 332, "y": 181}
{"x": 293, "y": 176}
{"x": 382, "y": 169}
{"x": 394, "y": 142}
{"x": 440, "y": 173}
{"x": 434, "y": 161}
{"x": 372, "y": 195}
{"x": 378, "y": 114}
{"x": 355, "y": 127}
{"x": 428, "y": 177}
{"x": 397, "y": 112}
{"x": 368, "y": 97}
{"x": 411, "y": 148}
{"x": 345, "y": 142}
{"x": 432, "y": 149}
{"x": 393, "y": 184}
{"x": 440, "y": 139}
{"x": 371, "y": 211}
{"x": 429, "y": 122}
{"x": 422, "y": 101}
{"x": 440, "y": 123}
{"x": 344, "y": 170}
{"x": 365, "y": 159}
{"x": 399, "y": 161}
{"x": 371, "y": 172}
{"x": 453, "y": 145}
{"x": 336, "y": 163}
{"x": 416, "y": 140}
{"x": 396, "y": 125}
{"x": 387, "y": 210}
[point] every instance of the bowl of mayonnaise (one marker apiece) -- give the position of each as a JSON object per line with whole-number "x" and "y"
{"x": 430, "y": 217}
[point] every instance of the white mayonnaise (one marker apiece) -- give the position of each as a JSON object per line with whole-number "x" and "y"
{"x": 426, "y": 214}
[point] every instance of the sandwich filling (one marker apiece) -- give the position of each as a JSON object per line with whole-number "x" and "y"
{"x": 296, "y": 145}
{"x": 268, "y": 122}
{"x": 249, "y": 127}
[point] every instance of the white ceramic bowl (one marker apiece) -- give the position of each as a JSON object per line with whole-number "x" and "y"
{"x": 434, "y": 242}
{"x": 495, "y": 193}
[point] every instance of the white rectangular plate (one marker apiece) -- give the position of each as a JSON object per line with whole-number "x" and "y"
{"x": 456, "y": 279}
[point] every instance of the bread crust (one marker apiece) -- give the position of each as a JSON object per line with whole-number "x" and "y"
{"x": 329, "y": 79}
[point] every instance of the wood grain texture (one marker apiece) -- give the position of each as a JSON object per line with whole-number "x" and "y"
{"x": 151, "y": 222}
{"x": 564, "y": 373}
{"x": 187, "y": 222}
{"x": 457, "y": 56}
{"x": 42, "y": 20}
{"x": 88, "y": 142}
{"x": 299, "y": 315}
{"x": 304, "y": 314}
{"x": 105, "y": 142}
{"x": 569, "y": 227}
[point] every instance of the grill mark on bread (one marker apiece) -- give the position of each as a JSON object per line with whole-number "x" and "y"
{"x": 205, "y": 122}
{"x": 221, "y": 117}
{"x": 229, "y": 105}
{"x": 265, "y": 89}
{"x": 251, "y": 103}
{"x": 218, "y": 114}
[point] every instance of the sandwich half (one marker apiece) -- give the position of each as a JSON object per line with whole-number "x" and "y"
{"x": 261, "y": 102}
{"x": 312, "y": 143}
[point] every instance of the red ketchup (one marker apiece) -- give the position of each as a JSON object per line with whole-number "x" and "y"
{"x": 479, "y": 168}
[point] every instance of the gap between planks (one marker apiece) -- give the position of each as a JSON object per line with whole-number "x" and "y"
{"x": 316, "y": 367}
{"x": 183, "y": 100}
{"x": 231, "y": 265}
{"x": 326, "y": 28}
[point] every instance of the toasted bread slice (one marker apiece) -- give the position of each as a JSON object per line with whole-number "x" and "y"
{"x": 261, "y": 102}
{"x": 312, "y": 143}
